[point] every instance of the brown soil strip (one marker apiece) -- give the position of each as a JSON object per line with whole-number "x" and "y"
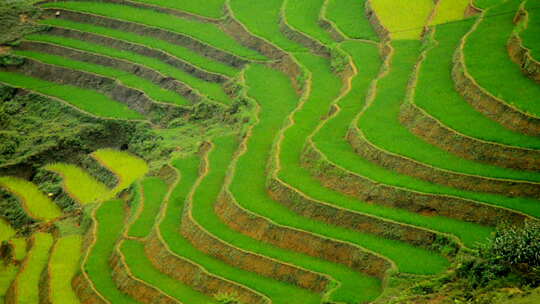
{"x": 520, "y": 54}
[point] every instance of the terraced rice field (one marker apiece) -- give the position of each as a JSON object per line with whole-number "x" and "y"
{"x": 367, "y": 142}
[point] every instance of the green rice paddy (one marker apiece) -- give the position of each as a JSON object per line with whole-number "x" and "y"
{"x": 87, "y": 100}
{"x": 152, "y": 90}
{"x": 404, "y": 19}
{"x": 27, "y": 281}
{"x": 127, "y": 167}
{"x": 211, "y": 8}
{"x": 532, "y": 32}
{"x": 33, "y": 201}
{"x": 6, "y": 232}
{"x": 63, "y": 265}
{"x": 79, "y": 184}
{"x": 205, "y": 32}
{"x": 154, "y": 190}
{"x": 486, "y": 46}
{"x": 348, "y": 15}
{"x": 110, "y": 222}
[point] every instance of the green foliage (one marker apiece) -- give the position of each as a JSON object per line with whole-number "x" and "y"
{"x": 338, "y": 59}
{"x": 16, "y": 18}
{"x": 511, "y": 250}
{"x": 10, "y": 60}
{"x": 226, "y": 298}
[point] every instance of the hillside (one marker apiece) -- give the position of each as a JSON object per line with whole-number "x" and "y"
{"x": 276, "y": 151}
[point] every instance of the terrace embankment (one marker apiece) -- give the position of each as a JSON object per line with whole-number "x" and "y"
{"x": 318, "y": 210}
{"x": 300, "y": 241}
{"x": 154, "y": 76}
{"x": 194, "y": 275}
{"x": 154, "y": 32}
{"x": 429, "y": 128}
{"x": 297, "y": 36}
{"x": 518, "y": 52}
{"x": 139, "y": 49}
{"x": 485, "y": 102}
{"x": 133, "y": 98}
{"x": 408, "y": 166}
{"x": 365, "y": 189}
{"x": 134, "y": 287}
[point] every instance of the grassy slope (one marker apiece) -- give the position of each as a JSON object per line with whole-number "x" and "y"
{"x": 154, "y": 190}
{"x": 149, "y": 88}
{"x": 339, "y": 151}
{"x": 531, "y": 34}
{"x": 143, "y": 269}
{"x": 211, "y": 8}
{"x": 279, "y": 292}
{"x": 79, "y": 184}
{"x": 87, "y": 100}
{"x": 206, "y": 32}
{"x": 63, "y": 265}
{"x": 487, "y": 47}
{"x": 436, "y": 84}
{"x": 110, "y": 221}
{"x": 381, "y": 126}
{"x": 37, "y": 204}
{"x": 404, "y": 19}
{"x": 127, "y": 167}
{"x": 35, "y": 262}
{"x": 348, "y": 15}
{"x": 210, "y": 89}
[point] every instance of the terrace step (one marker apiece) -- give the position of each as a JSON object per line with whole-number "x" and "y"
{"x": 513, "y": 108}
{"x": 25, "y": 288}
{"x": 79, "y": 13}
{"x": 212, "y": 10}
{"x": 442, "y": 123}
{"x": 132, "y": 98}
{"x": 519, "y": 53}
{"x": 35, "y": 203}
{"x": 169, "y": 245}
{"x": 62, "y": 267}
{"x": 154, "y": 76}
{"x": 437, "y": 166}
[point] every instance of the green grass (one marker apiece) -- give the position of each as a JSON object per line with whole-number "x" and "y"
{"x": 36, "y": 260}
{"x": 63, "y": 265}
{"x": 303, "y": 15}
{"x": 149, "y": 88}
{"x": 34, "y": 202}
{"x": 349, "y": 16}
{"x": 79, "y": 184}
{"x": 19, "y": 245}
{"x": 84, "y": 99}
{"x": 279, "y": 292}
{"x": 205, "y": 32}
{"x": 210, "y": 89}
{"x": 6, "y": 232}
{"x": 531, "y": 34}
{"x": 404, "y": 19}
{"x": 154, "y": 190}
{"x": 436, "y": 83}
{"x": 127, "y": 167}
{"x": 338, "y": 150}
{"x": 181, "y": 52}
{"x": 486, "y": 47}
{"x": 143, "y": 269}
{"x": 110, "y": 221}
{"x": 381, "y": 126}
{"x": 262, "y": 19}
{"x": 211, "y": 8}
{"x": 450, "y": 10}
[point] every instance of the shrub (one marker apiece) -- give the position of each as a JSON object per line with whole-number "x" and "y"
{"x": 511, "y": 250}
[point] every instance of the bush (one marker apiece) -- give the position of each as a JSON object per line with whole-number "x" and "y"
{"x": 511, "y": 250}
